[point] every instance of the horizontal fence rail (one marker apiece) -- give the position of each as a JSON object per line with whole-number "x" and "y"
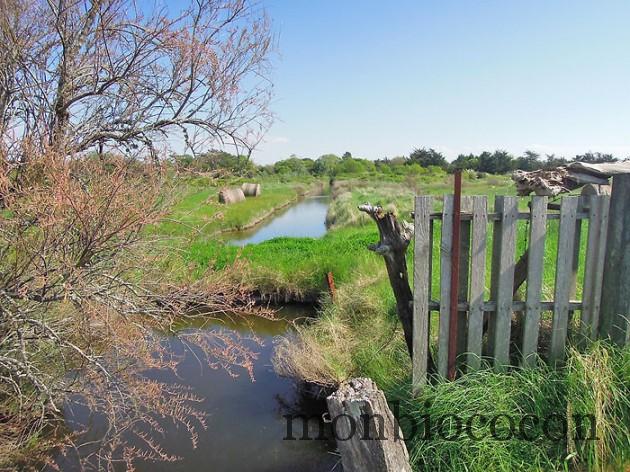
{"x": 485, "y": 323}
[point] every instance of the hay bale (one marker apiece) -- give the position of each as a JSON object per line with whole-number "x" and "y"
{"x": 231, "y": 195}
{"x": 251, "y": 190}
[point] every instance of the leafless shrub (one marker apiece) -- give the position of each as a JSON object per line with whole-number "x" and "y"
{"x": 78, "y": 308}
{"x": 76, "y": 321}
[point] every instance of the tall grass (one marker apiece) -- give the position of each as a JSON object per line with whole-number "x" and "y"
{"x": 358, "y": 335}
{"x": 592, "y": 386}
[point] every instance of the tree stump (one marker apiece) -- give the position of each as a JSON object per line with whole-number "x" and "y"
{"x": 367, "y": 434}
{"x": 394, "y": 239}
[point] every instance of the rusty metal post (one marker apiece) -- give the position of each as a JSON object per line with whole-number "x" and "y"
{"x": 330, "y": 280}
{"x": 455, "y": 262}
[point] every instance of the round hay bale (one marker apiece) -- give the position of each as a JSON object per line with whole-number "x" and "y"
{"x": 251, "y": 190}
{"x": 231, "y": 195}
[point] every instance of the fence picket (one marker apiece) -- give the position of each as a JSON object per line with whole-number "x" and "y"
{"x": 464, "y": 276}
{"x": 445, "y": 283}
{"x": 564, "y": 268}
{"x": 503, "y": 278}
{"x": 477, "y": 281}
{"x": 422, "y": 291}
{"x": 594, "y": 265}
{"x": 535, "y": 259}
{"x": 577, "y": 240}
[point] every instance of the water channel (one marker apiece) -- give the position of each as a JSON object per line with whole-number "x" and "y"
{"x": 244, "y": 417}
{"x": 304, "y": 219}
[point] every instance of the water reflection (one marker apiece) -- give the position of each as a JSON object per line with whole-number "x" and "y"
{"x": 244, "y": 417}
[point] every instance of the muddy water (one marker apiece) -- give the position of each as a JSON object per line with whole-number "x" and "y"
{"x": 245, "y": 418}
{"x": 304, "y": 219}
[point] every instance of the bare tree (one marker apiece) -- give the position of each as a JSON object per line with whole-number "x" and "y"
{"x": 89, "y": 74}
{"x": 83, "y": 75}
{"x": 76, "y": 321}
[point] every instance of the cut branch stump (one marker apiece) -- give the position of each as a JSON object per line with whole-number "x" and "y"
{"x": 368, "y": 435}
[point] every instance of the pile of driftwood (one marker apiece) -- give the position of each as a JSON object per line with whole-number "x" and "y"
{"x": 553, "y": 182}
{"x": 234, "y": 195}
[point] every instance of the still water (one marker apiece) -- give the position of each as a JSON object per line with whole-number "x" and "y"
{"x": 245, "y": 424}
{"x": 244, "y": 416}
{"x": 304, "y": 219}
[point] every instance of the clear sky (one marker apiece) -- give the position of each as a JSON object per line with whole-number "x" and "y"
{"x": 380, "y": 78}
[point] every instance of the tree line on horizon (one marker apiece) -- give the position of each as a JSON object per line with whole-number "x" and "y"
{"x": 420, "y": 161}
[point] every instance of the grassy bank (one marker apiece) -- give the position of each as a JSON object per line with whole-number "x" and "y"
{"x": 197, "y": 212}
{"x": 359, "y": 335}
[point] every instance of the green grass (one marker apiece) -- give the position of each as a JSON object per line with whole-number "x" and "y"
{"x": 295, "y": 267}
{"x": 592, "y": 383}
{"x": 359, "y": 335}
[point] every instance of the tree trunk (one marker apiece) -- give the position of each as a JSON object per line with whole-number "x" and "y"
{"x": 394, "y": 240}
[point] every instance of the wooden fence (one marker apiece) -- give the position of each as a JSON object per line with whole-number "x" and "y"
{"x": 495, "y": 344}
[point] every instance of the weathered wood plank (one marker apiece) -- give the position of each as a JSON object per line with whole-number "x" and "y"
{"x": 564, "y": 268}
{"x": 494, "y": 276}
{"x": 477, "y": 281}
{"x": 601, "y": 264}
{"x": 445, "y": 284}
{"x": 431, "y": 235}
{"x": 575, "y": 264}
{"x": 517, "y": 305}
{"x": 581, "y": 215}
{"x": 421, "y": 291}
{"x": 615, "y": 308}
{"x": 594, "y": 266}
{"x": 431, "y": 288}
{"x": 535, "y": 268}
{"x": 503, "y": 279}
{"x": 464, "y": 275}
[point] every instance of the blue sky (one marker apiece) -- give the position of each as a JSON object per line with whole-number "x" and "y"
{"x": 380, "y": 78}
